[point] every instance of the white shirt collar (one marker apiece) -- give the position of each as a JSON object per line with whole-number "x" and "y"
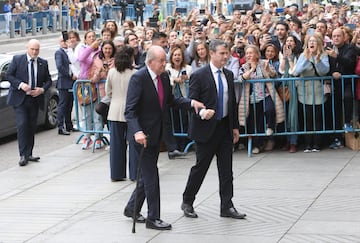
{"x": 215, "y": 69}
{"x": 152, "y": 74}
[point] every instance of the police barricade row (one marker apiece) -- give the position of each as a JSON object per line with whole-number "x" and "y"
{"x": 86, "y": 97}
{"x": 49, "y": 15}
{"x": 290, "y": 106}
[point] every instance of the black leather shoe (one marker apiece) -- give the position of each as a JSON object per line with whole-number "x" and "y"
{"x": 232, "y": 213}
{"x": 72, "y": 130}
{"x": 62, "y": 131}
{"x": 188, "y": 210}
{"x": 174, "y": 154}
{"x": 33, "y": 158}
{"x": 157, "y": 224}
{"x": 23, "y": 161}
{"x": 139, "y": 218}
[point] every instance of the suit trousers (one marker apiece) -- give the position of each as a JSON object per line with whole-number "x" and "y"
{"x": 26, "y": 119}
{"x": 133, "y": 160}
{"x": 66, "y": 100}
{"x": 148, "y": 187}
{"x": 221, "y": 145}
{"x": 117, "y": 150}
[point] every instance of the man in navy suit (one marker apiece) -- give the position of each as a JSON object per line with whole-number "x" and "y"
{"x": 214, "y": 130}
{"x": 64, "y": 85}
{"x": 148, "y": 99}
{"x": 30, "y": 78}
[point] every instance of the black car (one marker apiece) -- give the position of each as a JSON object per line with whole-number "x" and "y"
{"x": 46, "y": 117}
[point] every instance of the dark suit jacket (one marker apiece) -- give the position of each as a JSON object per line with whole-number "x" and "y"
{"x": 18, "y": 72}
{"x": 202, "y": 87}
{"x": 143, "y": 112}
{"x": 62, "y": 64}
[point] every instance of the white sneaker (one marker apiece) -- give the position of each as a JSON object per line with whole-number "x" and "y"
{"x": 255, "y": 150}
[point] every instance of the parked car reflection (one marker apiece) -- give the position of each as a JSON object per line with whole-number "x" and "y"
{"x": 46, "y": 117}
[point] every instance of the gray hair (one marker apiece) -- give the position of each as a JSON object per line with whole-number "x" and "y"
{"x": 153, "y": 53}
{"x": 215, "y": 43}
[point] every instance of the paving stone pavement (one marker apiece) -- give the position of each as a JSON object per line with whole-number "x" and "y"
{"x": 68, "y": 197}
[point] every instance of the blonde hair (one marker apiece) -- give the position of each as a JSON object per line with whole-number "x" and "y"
{"x": 319, "y": 42}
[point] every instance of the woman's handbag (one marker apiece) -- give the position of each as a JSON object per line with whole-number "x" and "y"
{"x": 283, "y": 92}
{"x": 85, "y": 91}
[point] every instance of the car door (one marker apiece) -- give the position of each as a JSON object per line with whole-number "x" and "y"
{"x": 7, "y": 114}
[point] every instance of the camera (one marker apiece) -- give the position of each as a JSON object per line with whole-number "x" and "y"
{"x": 65, "y": 35}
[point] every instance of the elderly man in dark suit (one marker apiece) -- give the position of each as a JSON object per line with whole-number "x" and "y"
{"x": 214, "y": 130}
{"x": 148, "y": 100}
{"x": 30, "y": 78}
{"x": 64, "y": 86}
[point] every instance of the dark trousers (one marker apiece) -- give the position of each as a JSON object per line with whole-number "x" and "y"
{"x": 141, "y": 16}
{"x": 313, "y": 122}
{"x": 133, "y": 160}
{"x": 117, "y": 150}
{"x": 255, "y": 122}
{"x": 65, "y": 106}
{"x": 148, "y": 183}
{"x": 26, "y": 119}
{"x": 221, "y": 145}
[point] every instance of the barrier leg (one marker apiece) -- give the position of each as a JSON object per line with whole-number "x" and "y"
{"x": 23, "y": 28}
{"x": 186, "y": 150}
{"x": 33, "y": 26}
{"x": 249, "y": 146}
{"x": 12, "y": 29}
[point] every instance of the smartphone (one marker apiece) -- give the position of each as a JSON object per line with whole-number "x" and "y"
{"x": 106, "y": 65}
{"x": 179, "y": 34}
{"x": 251, "y": 39}
{"x": 351, "y": 26}
{"x": 328, "y": 45}
{"x": 97, "y": 35}
{"x": 180, "y": 10}
{"x": 65, "y": 35}
{"x": 183, "y": 72}
{"x": 202, "y": 11}
{"x": 216, "y": 30}
{"x": 310, "y": 31}
{"x": 279, "y": 10}
{"x": 188, "y": 23}
{"x": 274, "y": 38}
{"x": 240, "y": 34}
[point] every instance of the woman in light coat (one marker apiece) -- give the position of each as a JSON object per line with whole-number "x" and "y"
{"x": 312, "y": 62}
{"x": 116, "y": 89}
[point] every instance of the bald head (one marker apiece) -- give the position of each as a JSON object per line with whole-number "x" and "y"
{"x": 33, "y": 48}
{"x": 338, "y": 37}
{"x": 156, "y": 59}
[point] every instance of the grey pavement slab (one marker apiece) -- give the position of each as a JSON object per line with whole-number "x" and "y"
{"x": 68, "y": 197}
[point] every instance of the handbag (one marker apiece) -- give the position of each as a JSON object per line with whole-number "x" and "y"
{"x": 85, "y": 91}
{"x": 284, "y": 93}
{"x": 283, "y": 90}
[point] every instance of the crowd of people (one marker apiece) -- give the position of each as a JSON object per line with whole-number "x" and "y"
{"x": 270, "y": 46}
{"x": 206, "y": 69}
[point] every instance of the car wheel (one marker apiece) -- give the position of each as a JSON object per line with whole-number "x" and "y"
{"x": 51, "y": 113}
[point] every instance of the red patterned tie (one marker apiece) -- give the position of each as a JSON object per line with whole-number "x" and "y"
{"x": 160, "y": 91}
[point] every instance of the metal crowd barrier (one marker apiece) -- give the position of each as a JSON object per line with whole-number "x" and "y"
{"x": 84, "y": 104}
{"x": 327, "y": 106}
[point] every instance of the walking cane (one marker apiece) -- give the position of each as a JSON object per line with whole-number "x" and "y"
{"x": 136, "y": 188}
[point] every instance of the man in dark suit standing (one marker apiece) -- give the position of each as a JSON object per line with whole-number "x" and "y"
{"x": 64, "y": 85}
{"x": 148, "y": 100}
{"x": 30, "y": 78}
{"x": 214, "y": 130}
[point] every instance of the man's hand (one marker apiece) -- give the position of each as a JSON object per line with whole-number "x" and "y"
{"x": 336, "y": 75}
{"x": 207, "y": 114}
{"x": 36, "y": 92}
{"x": 236, "y": 135}
{"x": 141, "y": 138}
{"x": 25, "y": 87}
{"x": 197, "y": 105}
